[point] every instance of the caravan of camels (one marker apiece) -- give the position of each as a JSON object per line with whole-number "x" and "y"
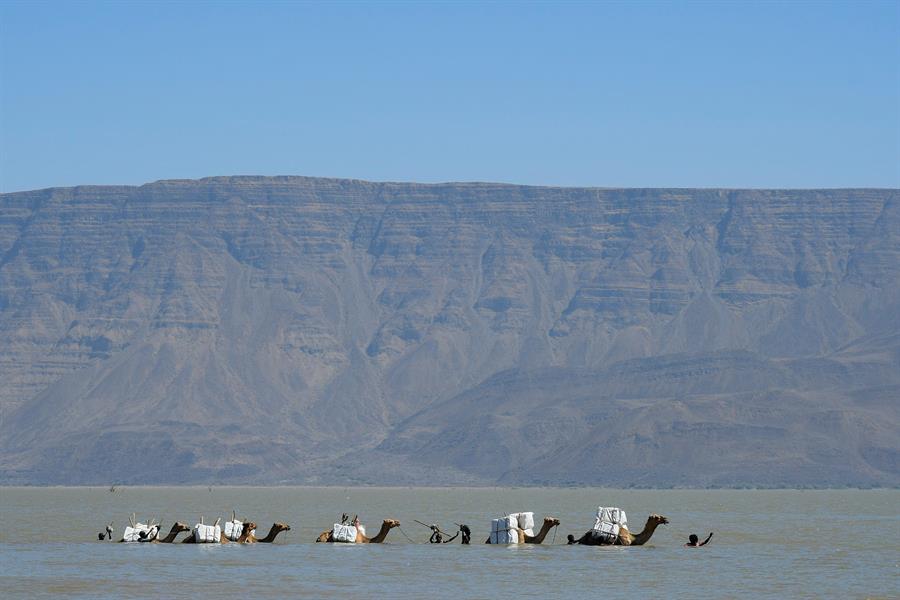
{"x": 610, "y": 529}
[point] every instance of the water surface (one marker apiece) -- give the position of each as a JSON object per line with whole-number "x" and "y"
{"x": 773, "y": 543}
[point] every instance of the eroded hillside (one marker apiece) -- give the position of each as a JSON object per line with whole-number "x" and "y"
{"x": 253, "y": 329}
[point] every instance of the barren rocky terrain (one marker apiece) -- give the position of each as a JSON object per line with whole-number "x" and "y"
{"x": 292, "y": 329}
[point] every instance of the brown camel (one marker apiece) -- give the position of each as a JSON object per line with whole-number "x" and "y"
{"x": 387, "y": 525}
{"x": 173, "y": 533}
{"x": 247, "y": 536}
{"x": 625, "y": 538}
{"x": 549, "y": 523}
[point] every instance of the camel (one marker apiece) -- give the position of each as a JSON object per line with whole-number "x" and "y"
{"x": 173, "y": 533}
{"x": 247, "y": 536}
{"x": 248, "y": 532}
{"x": 387, "y": 525}
{"x": 549, "y": 523}
{"x": 625, "y": 538}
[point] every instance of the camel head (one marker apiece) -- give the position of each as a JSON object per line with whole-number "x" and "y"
{"x": 657, "y": 519}
{"x": 281, "y": 527}
{"x": 180, "y": 527}
{"x": 551, "y": 521}
{"x": 391, "y": 523}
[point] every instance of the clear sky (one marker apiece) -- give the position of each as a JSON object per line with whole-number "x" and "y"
{"x": 607, "y": 94}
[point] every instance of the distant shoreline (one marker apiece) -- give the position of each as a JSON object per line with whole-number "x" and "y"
{"x": 122, "y": 487}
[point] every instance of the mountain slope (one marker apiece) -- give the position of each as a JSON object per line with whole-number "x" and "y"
{"x": 302, "y": 329}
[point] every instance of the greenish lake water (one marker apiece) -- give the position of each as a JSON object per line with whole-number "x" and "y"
{"x": 768, "y": 543}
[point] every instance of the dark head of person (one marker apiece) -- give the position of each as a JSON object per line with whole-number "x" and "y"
{"x": 693, "y": 539}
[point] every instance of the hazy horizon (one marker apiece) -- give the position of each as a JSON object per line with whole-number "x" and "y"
{"x": 441, "y": 183}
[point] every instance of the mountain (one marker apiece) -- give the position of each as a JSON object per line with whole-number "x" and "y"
{"x": 293, "y": 329}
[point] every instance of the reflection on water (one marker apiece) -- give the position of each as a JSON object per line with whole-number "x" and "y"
{"x": 774, "y": 543}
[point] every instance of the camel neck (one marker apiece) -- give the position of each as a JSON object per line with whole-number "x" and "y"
{"x": 170, "y": 537}
{"x": 273, "y": 532}
{"x": 545, "y": 529}
{"x": 382, "y": 533}
{"x": 644, "y": 536}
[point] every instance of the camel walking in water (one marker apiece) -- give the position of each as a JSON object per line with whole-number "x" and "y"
{"x": 625, "y": 537}
{"x": 549, "y": 523}
{"x": 248, "y": 537}
{"x": 386, "y": 526}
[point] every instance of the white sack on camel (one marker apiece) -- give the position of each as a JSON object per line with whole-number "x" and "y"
{"x": 526, "y": 520}
{"x": 233, "y": 530}
{"x": 133, "y": 534}
{"x": 615, "y": 516}
{"x": 343, "y": 533}
{"x": 608, "y": 523}
{"x": 207, "y": 534}
{"x": 504, "y": 530}
{"x": 609, "y": 532}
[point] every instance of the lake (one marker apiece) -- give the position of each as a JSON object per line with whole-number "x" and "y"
{"x": 772, "y": 543}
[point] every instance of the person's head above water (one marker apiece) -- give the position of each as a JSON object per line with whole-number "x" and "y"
{"x": 693, "y": 539}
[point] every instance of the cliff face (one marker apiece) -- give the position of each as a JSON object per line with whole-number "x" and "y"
{"x": 312, "y": 330}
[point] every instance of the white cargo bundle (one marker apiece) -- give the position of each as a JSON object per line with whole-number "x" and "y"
{"x": 609, "y": 522}
{"x": 140, "y": 533}
{"x": 132, "y": 534}
{"x": 207, "y": 534}
{"x": 526, "y": 521}
{"x": 233, "y": 530}
{"x": 504, "y": 530}
{"x": 612, "y": 515}
{"x": 345, "y": 534}
{"x": 609, "y": 532}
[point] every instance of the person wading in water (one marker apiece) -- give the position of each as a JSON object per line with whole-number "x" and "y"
{"x": 693, "y": 541}
{"x": 466, "y": 534}
{"x": 437, "y": 536}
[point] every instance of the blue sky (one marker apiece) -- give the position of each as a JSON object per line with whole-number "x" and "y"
{"x": 653, "y": 94}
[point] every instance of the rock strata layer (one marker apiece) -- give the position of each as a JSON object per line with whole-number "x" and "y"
{"x": 292, "y": 329}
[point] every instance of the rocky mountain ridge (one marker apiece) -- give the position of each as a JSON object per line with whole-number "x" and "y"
{"x": 292, "y": 329}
